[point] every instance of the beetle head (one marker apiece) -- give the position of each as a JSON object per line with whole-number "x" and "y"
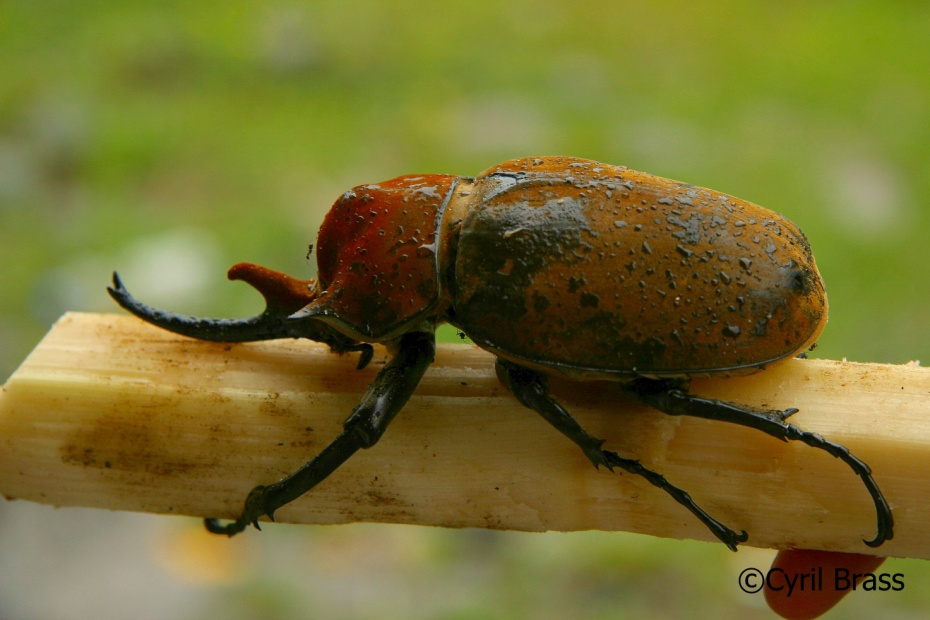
{"x": 377, "y": 257}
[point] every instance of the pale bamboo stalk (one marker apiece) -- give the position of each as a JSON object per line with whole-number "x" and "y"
{"x": 110, "y": 412}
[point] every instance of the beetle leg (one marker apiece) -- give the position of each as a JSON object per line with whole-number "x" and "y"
{"x": 670, "y": 398}
{"x": 532, "y": 390}
{"x": 385, "y": 397}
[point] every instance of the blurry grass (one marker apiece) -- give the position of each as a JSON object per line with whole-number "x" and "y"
{"x": 247, "y": 119}
{"x": 170, "y": 140}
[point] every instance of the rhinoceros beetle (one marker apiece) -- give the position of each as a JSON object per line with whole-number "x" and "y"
{"x": 559, "y": 267}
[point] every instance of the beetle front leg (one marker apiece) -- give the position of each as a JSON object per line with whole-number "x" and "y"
{"x": 385, "y": 397}
{"x": 671, "y": 398}
{"x": 532, "y": 390}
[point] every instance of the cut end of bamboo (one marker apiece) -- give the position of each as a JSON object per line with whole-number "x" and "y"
{"x": 110, "y": 412}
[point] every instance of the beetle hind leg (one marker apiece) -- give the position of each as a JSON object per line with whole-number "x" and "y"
{"x": 532, "y": 390}
{"x": 669, "y": 397}
{"x": 725, "y": 534}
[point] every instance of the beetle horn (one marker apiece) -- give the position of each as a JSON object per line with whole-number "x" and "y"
{"x": 283, "y": 295}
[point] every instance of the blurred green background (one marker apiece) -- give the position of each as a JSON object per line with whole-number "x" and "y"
{"x": 170, "y": 140}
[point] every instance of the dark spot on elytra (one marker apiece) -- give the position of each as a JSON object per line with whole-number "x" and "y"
{"x": 540, "y": 303}
{"x": 575, "y": 283}
{"x": 589, "y": 300}
{"x": 799, "y": 279}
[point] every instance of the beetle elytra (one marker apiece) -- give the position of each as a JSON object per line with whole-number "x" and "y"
{"x": 559, "y": 267}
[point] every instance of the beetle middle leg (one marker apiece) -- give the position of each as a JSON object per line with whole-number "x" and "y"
{"x": 532, "y": 390}
{"x": 385, "y": 397}
{"x": 672, "y": 397}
